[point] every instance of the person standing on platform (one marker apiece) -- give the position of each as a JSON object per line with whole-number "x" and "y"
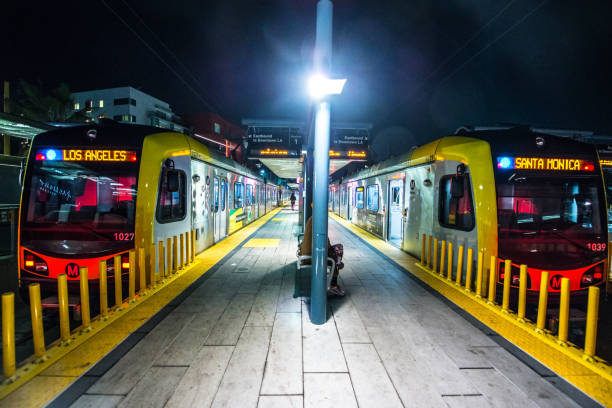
{"x": 292, "y": 199}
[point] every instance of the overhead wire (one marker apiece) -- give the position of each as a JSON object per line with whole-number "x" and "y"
{"x": 487, "y": 45}
{"x": 154, "y": 52}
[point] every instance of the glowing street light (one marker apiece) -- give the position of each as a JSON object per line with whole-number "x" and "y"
{"x": 320, "y": 86}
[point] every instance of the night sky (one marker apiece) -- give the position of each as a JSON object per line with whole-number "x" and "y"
{"x": 416, "y": 69}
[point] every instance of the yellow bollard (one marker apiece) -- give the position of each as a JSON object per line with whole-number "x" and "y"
{"x": 507, "y": 281}
{"x": 450, "y": 261}
{"x": 459, "y": 265}
{"x": 435, "y": 256}
{"x": 182, "y": 251}
{"x": 142, "y": 269}
{"x": 103, "y": 278}
{"x": 468, "y": 272}
{"x": 152, "y": 266}
{"x": 193, "y": 245}
{"x": 479, "y": 273}
{"x": 423, "y": 243}
{"x": 590, "y": 338}
{"x": 132, "y": 276}
{"x": 187, "y": 258}
{"x": 542, "y": 303}
{"x": 168, "y": 270}
{"x": 492, "y": 280}
{"x": 162, "y": 261}
{"x": 442, "y": 257}
{"x": 38, "y": 334}
{"x": 522, "y": 300}
{"x": 118, "y": 284}
{"x": 429, "y": 251}
{"x": 175, "y": 258}
{"x": 8, "y": 334}
{"x": 62, "y": 303}
{"x": 84, "y": 287}
{"x": 564, "y": 311}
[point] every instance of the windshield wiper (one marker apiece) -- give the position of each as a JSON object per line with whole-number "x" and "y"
{"x": 568, "y": 239}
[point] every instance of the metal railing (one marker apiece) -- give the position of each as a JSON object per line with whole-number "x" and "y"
{"x": 178, "y": 256}
{"x": 485, "y": 289}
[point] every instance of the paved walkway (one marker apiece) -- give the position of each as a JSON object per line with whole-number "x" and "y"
{"x": 242, "y": 340}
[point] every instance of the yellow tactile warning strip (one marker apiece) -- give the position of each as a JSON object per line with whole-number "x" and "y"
{"x": 593, "y": 378}
{"x": 261, "y": 243}
{"x": 280, "y": 219}
{"x": 38, "y": 384}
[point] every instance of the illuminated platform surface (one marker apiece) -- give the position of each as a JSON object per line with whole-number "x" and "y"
{"x": 242, "y": 340}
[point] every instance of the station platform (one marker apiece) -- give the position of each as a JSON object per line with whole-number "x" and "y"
{"x": 239, "y": 338}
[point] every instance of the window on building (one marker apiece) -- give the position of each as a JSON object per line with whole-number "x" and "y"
{"x": 238, "y": 195}
{"x": 171, "y": 204}
{"x": 77, "y": 106}
{"x": 88, "y": 105}
{"x": 217, "y": 128}
{"x": 125, "y": 118}
{"x": 124, "y": 101}
{"x": 373, "y": 197}
{"x": 101, "y": 103}
{"x": 359, "y": 197}
{"x": 456, "y": 209}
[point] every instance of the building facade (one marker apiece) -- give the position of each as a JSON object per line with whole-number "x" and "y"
{"x": 128, "y": 105}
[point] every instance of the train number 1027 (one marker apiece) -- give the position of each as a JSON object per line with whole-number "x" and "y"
{"x": 596, "y": 246}
{"x": 127, "y": 236}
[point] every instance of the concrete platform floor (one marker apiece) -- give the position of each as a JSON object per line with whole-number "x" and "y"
{"x": 242, "y": 340}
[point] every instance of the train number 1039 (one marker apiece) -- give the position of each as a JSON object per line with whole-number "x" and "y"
{"x": 127, "y": 236}
{"x": 596, "y": 246}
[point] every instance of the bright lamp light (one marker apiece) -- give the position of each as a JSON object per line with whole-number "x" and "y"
{"x": 320, "y": 86}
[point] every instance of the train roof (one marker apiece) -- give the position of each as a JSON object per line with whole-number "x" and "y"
{"x": 502, "y": 141}
{"x": 111, "y": 133}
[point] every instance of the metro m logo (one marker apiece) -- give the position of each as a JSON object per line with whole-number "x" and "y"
{"x": 555, "y": 282}
{"x": 72, "y": 270}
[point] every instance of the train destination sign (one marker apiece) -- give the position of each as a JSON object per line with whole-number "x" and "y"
{"x": 89, "y": 155}
{"x": 544, "y": 163}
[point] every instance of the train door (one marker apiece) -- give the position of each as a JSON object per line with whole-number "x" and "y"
{"x": 256, "y": 198}
{"x": 395, "y": 222}
{"x": 199, "y": 211}
{"x": 215, "y": 209}
{"x": 350, "y": 204}
{"x": 221, "y": 221}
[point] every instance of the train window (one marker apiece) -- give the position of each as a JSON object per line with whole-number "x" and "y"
{"x": 395, "y": 196}
{"x": 223, "y": 194}
{"x": 171, "y": 203}
{"x": 455, "y": 207}
{"x": 238, "y": 195}
{"x": 216, "y": 194}
{"x": 372, "y": 197}
{"x": 249, "y": 194}
{"x": 359, "y": 197}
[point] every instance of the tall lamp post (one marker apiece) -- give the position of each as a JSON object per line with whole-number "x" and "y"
{"x": 321, "y": 87}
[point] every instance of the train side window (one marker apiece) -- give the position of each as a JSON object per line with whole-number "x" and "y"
{"x": 238, "y": 196}
{"x": 249, "y": 194}
{"x": 373, "y": 197}
{"x": 223, "y": 194}
{"x": 172, "y": 198}
{"x": 359, "y": 197}
{"x": 455, "y": 207}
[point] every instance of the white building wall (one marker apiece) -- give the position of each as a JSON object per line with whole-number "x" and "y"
{"x": 146, "y": 110}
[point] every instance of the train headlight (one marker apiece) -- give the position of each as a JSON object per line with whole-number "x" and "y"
{"x": 33, "y": 263}
{"x": 592, "y": 276}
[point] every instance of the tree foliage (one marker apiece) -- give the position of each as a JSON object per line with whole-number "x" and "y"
{"x": 33, "y": 101}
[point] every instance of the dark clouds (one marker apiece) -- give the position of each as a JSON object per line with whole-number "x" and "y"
{"x": 250, "y": 58}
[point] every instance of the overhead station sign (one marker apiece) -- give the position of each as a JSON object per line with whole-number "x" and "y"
{"x": 544, "y": 163}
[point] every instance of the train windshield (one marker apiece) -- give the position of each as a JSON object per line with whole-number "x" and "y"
{"x": 76, "y": 208}
{"x": 551, "y": 223}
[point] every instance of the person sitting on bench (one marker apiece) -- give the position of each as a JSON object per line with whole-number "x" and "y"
{"x": 333, "y": 251}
